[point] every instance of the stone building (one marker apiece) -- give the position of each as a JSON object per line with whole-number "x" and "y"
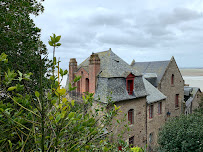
{"x": 147, "y": 96}
{"x": 166, "y": 77}
{"x": 192, "y": 97}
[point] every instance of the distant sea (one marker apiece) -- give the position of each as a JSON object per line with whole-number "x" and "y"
{"x": 193, "y": 77}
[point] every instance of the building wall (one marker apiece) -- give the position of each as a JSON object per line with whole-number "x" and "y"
{"x": 138, "y": 128}
{"x": 155, "y": 123}
{"x": 84, "y": 75}
{"x": 196, "y": 101}
{"x": 170, "y": 90}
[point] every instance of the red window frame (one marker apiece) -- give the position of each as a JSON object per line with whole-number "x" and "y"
{"x": 120, "y": 148}
{"x": 130, "y": 83}
{"x": 131, "y": 141}
{"x": 177, "y": 101}
{"x": 172, "y": 79}
{"x": 160, "y": 108}
{"x": 131, "y": 116}
{"x": 150, "y": 111}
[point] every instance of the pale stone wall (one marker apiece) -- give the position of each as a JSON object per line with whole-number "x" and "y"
{"x": 138, "y": 128}
{"x": 155, "y": 123}
{"x": 196, "y": 101}
{"x": 171, "y": 90}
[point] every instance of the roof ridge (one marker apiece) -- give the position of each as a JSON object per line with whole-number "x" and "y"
{"x": 153, "y": 61}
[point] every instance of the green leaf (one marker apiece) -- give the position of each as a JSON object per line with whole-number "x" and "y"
{"x": 65, "y": 72}
{"x": 51, "y": 43}
{"x": 52, "y": 39}
{"x": 64, "y": 100}
{"x": 61, "y": 72}
{"x": 37, "y": 94}
{"x": 10, "y": 144}
{"x": 57, "y": 39}
{"x": 71, "y": 115}
{"x": 73, "y": 102}
{"x": 11, "y": 88}
{"x": 58, "y": 44}
{"x": 58, "y": 118}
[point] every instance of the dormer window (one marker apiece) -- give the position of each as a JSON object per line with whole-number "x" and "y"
{"x": 130, "y": 83}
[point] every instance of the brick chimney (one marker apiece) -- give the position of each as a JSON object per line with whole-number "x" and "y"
{"x": 72, "y": 69}
{"x": 94, "y": 68}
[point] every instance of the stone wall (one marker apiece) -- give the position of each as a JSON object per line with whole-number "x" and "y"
{"x": 138, "y": 128}
{"x": 155, "y": 123}
{"x": 170, "y": 90}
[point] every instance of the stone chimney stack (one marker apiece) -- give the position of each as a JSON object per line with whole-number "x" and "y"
{"x": 72, "y": 69}
{"x": 94, "y": 68}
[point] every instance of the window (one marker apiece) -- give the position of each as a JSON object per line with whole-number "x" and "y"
{"x": 130, "y": 83}
{"x": 131, "y": 141}
{"x": 177, "y": 101}
{"x": 160, "y": 108}
{"x": 172, "y": 79}
{"x": 130, "y": 87}
{"x": 150, "y": 137}
{"x": 131, "y": 116}
{"x": 150, "y": 111}
{"x": 87, "y": 85}
{"x": 78, "y": 86}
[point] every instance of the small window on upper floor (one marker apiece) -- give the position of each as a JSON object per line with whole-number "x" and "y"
{"x": 177, "y": 101}
{"x": 131, "y": 116}
{"x": 130, "y": 83}
{"x": 151, "y": 109}
{"x": 172, "y": 79}
{"x": 160, "y": 108}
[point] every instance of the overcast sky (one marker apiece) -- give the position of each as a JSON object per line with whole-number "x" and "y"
{"x": 144, "y": 30}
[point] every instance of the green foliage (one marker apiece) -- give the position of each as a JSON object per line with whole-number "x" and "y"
{"x": 49, "y": 121}
{"x": 184, "y": 133}
{"x": 20, "y": 40}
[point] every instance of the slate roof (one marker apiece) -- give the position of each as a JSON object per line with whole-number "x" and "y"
{"x": 111, "y": 65}
{"x": 116, "y": 89}
{"x": 158, "y": 67}
{"x": 153, "y": 94}
{"x": 111, "y": 80}
{"x": 190, "y": 92}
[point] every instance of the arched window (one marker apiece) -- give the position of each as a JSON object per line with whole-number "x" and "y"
{"x": 131, "y": 116}
{"x": 87, "y": 85}
{"x": 78, "y": 86}
{"x": 172, "y": 79}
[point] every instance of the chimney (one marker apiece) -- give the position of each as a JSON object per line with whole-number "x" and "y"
{"x": 94, "y": 68}
{"x": 72, "y": 69}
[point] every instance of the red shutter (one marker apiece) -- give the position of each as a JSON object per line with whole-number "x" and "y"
{"x": 120, "y": 148}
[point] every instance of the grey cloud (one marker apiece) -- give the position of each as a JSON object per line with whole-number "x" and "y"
{"x": 178, "y": 15}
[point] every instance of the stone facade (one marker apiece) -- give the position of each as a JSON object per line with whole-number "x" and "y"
{"x": 155, "y": 123}
{"x": 172, "y": 90}
{"x": 105, "y": 72}
{"x": 138, "y": 127}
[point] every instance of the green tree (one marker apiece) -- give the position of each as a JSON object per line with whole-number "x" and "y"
{"x": 184, "y": 133}
{"x": 20, "y": 38}
{"x": 49, "y": 121}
